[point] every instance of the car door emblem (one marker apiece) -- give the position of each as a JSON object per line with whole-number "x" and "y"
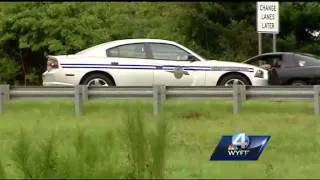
{"x": 178, "y": 72}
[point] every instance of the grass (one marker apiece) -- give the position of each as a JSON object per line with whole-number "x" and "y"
{"x": 123, "y": 140}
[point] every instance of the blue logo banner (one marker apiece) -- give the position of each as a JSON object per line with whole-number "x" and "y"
{"x": 240, "y": 147}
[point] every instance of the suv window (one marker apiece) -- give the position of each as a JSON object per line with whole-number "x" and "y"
{"x": 128, "y": 51}
{"x": 162, "y": 51}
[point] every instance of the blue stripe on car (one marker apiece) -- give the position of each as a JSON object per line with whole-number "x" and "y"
{"x": 135, "y": 65}
{"x": 153, "y": 67}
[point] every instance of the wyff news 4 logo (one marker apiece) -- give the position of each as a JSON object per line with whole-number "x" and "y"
{"x": 240, "y": 147}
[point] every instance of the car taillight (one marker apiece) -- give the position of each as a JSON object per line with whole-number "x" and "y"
{"x": 52, "y": 64}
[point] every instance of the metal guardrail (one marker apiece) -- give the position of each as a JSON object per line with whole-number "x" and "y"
{"x": 158, "y": 93}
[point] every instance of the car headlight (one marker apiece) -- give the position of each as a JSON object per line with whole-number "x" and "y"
{"x": 259, "y": 74}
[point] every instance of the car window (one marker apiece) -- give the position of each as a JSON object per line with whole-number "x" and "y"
{"x": 306, "y": 60}
{"x": 128, "y": 51}
{"x": 263, "y": 60}
{"x": 272, "y": 60}
{"x": 310, "y": 55}
{"x": 257, "y": 61}
{"x": 289, "y": 61}
{"x": 275, "y": 61}
{"x": 168, "y": 52}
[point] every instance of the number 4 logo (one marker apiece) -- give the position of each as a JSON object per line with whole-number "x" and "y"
{"x": 240, "y": 140}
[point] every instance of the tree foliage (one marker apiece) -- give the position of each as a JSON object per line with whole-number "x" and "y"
{"x": 216, "y": 30}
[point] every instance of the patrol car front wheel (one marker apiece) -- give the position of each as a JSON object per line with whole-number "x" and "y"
{"x": 97, "y": 80}
{"x": 229, "y": 80}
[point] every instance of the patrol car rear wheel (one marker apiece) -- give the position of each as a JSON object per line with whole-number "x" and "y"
{"x": 230, "y": 79}
{"x": 97, "y": 80}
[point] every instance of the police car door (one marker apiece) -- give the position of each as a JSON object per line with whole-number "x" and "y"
{"x": 173, "y": 67}
{"x": 131, "y": 66}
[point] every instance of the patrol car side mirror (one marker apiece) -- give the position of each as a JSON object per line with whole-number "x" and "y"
{"x": 192, "y": 58}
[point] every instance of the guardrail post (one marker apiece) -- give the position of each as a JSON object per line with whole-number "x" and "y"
{"x": 316, "y": 99}
{"x": 84, "y": 90}
{"x": 236, "y": 97}
{"x": 78, "y": 100}
{"x": 6, "y": 91}
{"x": 243, "y": 93}
{"x": 2, "y": 99}
{"x": 156, "y": 99}
{"x": 163, "y": 90}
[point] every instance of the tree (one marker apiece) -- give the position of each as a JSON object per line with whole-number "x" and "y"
{"x": 215, "y": 30}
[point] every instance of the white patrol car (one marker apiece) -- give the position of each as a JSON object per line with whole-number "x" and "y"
{"x": 144, "y": 62}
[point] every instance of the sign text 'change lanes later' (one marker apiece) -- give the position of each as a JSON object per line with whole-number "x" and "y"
{"x": 268, "y": 17}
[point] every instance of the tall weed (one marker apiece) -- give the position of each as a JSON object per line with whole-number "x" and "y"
{"x": 109, "y": 167}
{"x": 158, "y": 146}
{"x": 146, "y": 150}
{"x": 2, "y": 170}
{"x": 47, "y": 157}
{"x": 91, "y": 158}
{"x": 94, "y": 155}
{"x": 21, "y": 154}
{"x": 137, "y": 145}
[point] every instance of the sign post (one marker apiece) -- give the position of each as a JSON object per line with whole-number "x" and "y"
{"x": 267, "y": 21}
{"x": 260, "y": 42}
